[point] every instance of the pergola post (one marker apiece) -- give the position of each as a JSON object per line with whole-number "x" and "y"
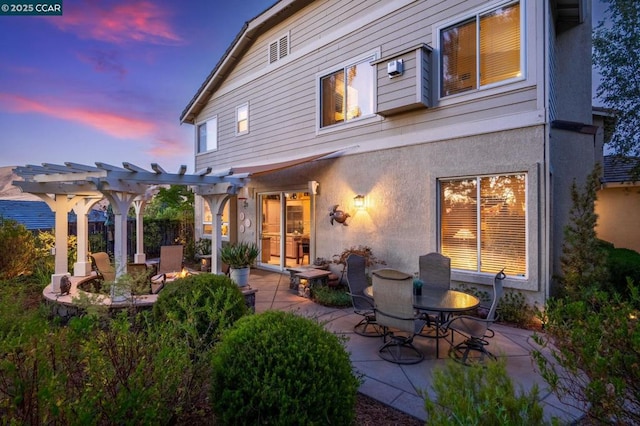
{"x": 61, "y": 205}
{"x": 216, "y": 205}
{"x": 82, "y": 267}
{"x": 120, "y": 202}
{"x": 139, "y": 256}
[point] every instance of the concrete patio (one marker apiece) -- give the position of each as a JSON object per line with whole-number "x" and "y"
{"x": 401, "y": 385}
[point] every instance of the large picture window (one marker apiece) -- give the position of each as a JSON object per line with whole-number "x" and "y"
{"x": 347, "y": 94}
{"x": 208, "y": 135}
{"x": 481, "y": 51}
{"x": 483, "y": 223}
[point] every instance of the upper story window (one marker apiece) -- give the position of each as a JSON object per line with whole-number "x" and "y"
{"x": 279, "y": 48}
{"x": 347, "y": 93}
{"x": 242, "y": 119}
{"x": 480, "y": 51}
{"x": 483, "y": 223}
{"x": 208, "y": 135}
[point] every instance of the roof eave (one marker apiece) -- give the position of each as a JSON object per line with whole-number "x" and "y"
{"x": 245, "y": 38}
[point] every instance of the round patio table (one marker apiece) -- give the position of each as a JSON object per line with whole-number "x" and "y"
{"x": 440, "y": 301}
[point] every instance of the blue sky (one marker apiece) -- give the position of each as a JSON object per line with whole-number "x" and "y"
{"x": 108, "y": 80}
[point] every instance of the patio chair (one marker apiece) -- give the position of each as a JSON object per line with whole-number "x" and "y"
{"x": 143, "y": 274}
{"x": 170, "y": 263}
{"x": 475, "y": 330}
{"x": 362, "y": 305}
{"x": 101, "y": 265}
{"x": 393, "y": 293}
{"x": 435, "y": 272}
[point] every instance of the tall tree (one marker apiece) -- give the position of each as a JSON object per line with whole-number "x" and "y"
{"x": 616, "y": 56}
{"x": 583, "y": 261}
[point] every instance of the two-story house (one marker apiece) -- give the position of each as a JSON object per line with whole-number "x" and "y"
{"x": 454, "y": 126}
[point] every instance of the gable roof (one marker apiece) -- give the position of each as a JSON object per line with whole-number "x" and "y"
{"x": 619, "y": 169}
{"x": 251, "y": 30}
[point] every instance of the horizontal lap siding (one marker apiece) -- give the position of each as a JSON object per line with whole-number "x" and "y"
{"x": 282, "y": 102}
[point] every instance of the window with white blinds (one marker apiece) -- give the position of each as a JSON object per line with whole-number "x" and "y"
{"x": 483, "y": 223}
{"x": 482, "y": 50}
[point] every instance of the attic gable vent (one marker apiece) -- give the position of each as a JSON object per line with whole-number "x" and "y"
{"x": 279, "y": 48}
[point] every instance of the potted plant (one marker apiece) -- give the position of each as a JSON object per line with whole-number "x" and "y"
{"x": 239, "y": 257}
{"x": 203, "y": 253}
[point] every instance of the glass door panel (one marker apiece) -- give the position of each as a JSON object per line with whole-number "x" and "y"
{"x": 286, "y": 229}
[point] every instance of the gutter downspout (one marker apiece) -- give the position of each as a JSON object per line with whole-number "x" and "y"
{"x": 547, "y": 170}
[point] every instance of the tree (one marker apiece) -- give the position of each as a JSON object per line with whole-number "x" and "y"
{"x": 175, "y": 202}
{"x": 616, "y": 56}
{"x": 583, "y": 260}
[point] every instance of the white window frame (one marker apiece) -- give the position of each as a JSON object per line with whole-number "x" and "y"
{"x": 364, "y": 119}
{"x": 211, "y": 143}
{"x": 478, "y": 231}
{"x": 239, "y": 108}
{"x": 476, "y": 14}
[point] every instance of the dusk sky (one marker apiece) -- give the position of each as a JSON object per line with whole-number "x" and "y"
{"x": 108, "y": 80}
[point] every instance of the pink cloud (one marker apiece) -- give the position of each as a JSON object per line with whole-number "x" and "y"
{"x": 116, "y": 125}
{"x": 140, "y": 21}
{"x": 167, "y": 148}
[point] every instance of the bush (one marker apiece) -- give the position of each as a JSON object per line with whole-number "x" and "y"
{"x": 202, "y": 305}
{"x": 327, "y": 296}
{"x": 82, "y": 374}
{"x": 278, "y": 368}
{"x": 622, "y": 264}
{"x": 480, "y": 395}
{"x": 595, "y": 349}
{"x": 513, "y": 309}
{"x": 17, "y": 248}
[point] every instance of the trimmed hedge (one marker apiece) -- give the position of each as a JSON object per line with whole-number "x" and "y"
{"x": 279, "y": 368}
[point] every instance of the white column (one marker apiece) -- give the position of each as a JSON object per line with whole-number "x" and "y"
{"x": 82, "y": 267}
{"x": 120, "y": 202}
{"x": 216, "y": 204}
{"x": 61, "y": 205}
{"x": 139, "y": 256}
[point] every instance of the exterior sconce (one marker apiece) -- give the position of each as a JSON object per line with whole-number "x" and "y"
{"x": 358, "y": 201}
{"x": 243, "y": 195}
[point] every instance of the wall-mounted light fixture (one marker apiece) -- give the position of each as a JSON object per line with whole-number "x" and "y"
{"x": 243, "y": 195}
{"x": 358, "y": 201}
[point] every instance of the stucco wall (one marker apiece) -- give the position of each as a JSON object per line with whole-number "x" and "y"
{"x": 618, "y": 212}
{"x": 400, "y": 221}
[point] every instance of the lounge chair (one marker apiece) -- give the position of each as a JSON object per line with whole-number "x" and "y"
{"x": 101, "y": 265}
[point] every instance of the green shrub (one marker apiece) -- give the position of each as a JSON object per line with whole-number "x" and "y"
{"x": 83, "y": 374}
{"x": 480, "y": 395}
{"x": 17, "y": 247}
{"x": 514, "y": 309}
{"x": 595, "y": 348}
{"x": 279, "y": 368}
{"x": 208, "y": 302}
{"x": 622, "y": 264}
{"x": 328, "y": 296}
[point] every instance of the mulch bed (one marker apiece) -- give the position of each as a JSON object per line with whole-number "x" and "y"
{"x": 370, "y": 412}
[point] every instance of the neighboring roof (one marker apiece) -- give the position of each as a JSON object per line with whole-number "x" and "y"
{"x": 251, "y": 30}
{"x": 37, "y": 214}
{"x": 619, "y": 169}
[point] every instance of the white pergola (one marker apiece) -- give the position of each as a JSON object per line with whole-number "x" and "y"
{"x": 78, "y": 187}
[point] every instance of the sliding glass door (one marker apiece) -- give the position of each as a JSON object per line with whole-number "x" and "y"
{"x": 286, "y": 229}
